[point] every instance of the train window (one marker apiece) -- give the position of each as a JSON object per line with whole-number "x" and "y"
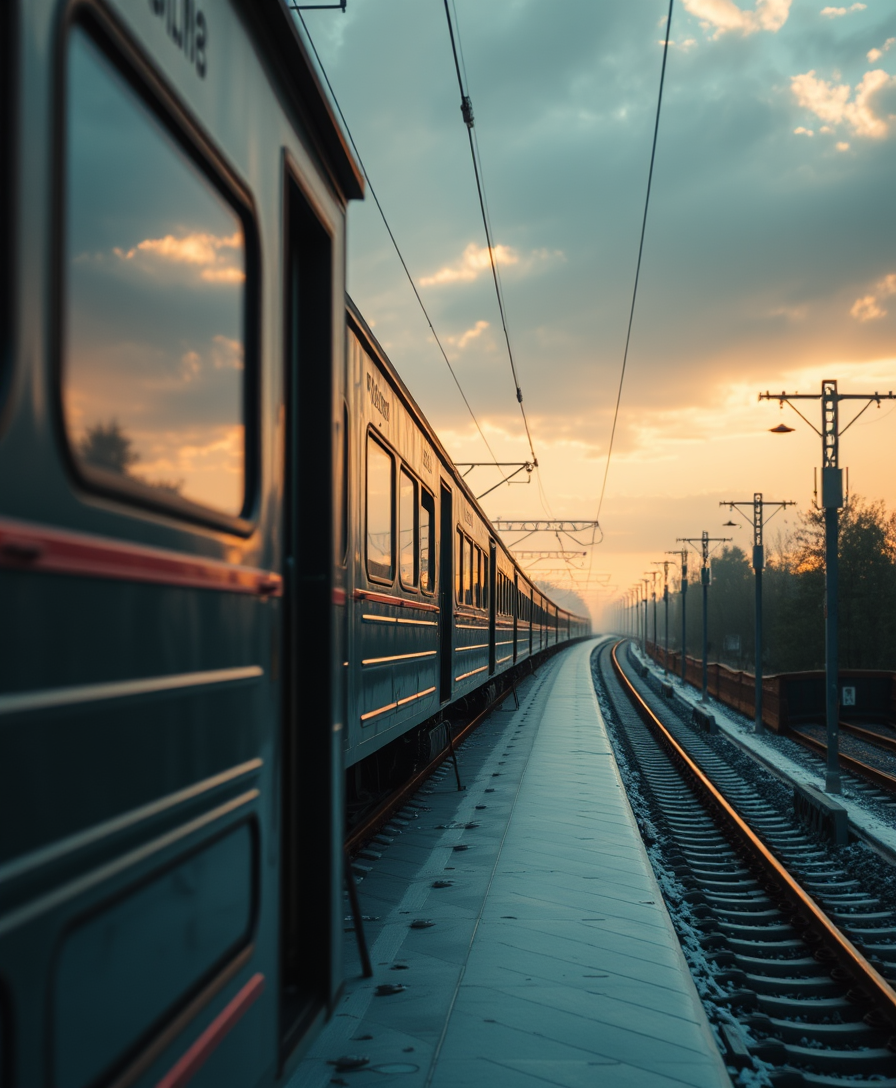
{"x": 459, "y": 569}
{"x": 483, "y": 580}
{"x": 468, "y": 571}
{"x": 343, "y": 506}
{"x": 407, "y": 529}
{"x": 154, "y": 273}
{"x": 380, "y": 560}
{"x": 427, "y": 541}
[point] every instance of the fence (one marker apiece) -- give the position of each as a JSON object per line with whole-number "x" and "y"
{"x": 788, "y": 697}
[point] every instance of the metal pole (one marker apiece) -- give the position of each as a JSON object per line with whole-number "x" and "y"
{"x": 684, "y": 618}
{"x": 644, "y": 629}
{"x": 758, "y": 564}
{"x": 831, "y": 674}
{"x": 757, "y": 667}
{"x": 704, "y": 578}
{"x": 666, "y": 635}
{"x": 832, "y": 500}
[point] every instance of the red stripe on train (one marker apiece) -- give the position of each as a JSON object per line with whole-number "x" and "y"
{"x": 25, "y": 546}
{"x": 191, "y": 1062}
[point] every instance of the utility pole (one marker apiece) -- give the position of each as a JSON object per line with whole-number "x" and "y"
{"x": 644, "y": 582}
{"x": 683, "y": 559}
{"x": 757, "y": 520}
{"x": 665, "y": 564}
{"x": 652, "y": 576}
{"x": 704, "y": 540}
{"x": 831, "y": 500}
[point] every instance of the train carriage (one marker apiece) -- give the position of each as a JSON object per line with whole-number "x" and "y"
{"x": 234, "y": 558}
{"x": 175, "y": 192}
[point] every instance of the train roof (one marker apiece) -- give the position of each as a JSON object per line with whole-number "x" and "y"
{"x": 356, "y": 319}
{"x": 290, "y": 64}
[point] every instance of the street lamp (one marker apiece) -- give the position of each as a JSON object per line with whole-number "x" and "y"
{"x": 704, "y": 541}
{"x": 831, "y": 500}
{"x": 758, "y": 523}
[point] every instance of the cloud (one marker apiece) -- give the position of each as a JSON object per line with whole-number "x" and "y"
{"x": 830, "y": 102}
{"x": 213, "y": 255}
{"x": 686, "y": 46}
{"x": 471, "y": 334}
{"x": 835, "y": 13}
{"x": 869, "y": 308}
{"x": 876, "y": 54}
{"x": 475, "y": 261}
{"x": 725, "y": 15}
{"x": 803, "y": 131}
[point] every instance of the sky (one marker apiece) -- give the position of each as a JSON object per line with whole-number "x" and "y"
{"x": 769, "y": 259}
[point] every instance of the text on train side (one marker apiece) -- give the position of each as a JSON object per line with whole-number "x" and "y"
{"x": 186, "y": 27}
{"x": 376, "y": 398}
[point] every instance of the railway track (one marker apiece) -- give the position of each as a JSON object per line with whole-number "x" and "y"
{"x": 793, "y": 949}
{"x": 862, "y": 752}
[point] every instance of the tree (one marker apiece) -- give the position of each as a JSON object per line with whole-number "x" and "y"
{"x": 108, "y": 447}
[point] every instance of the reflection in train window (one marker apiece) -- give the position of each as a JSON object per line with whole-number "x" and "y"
{"x": 427, "y": 541}
{"x": 468, "y": 571}
{"x": 154, "y": 278}
{"x": 407, "y": 528}
{"x": 380, "y": 562}
{"x": 459, "y": 568}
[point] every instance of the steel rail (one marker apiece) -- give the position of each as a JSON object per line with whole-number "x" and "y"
{"x": 879, "y": 740}
{"x": 849, "y": 763}
{"x": 846, "y": 950}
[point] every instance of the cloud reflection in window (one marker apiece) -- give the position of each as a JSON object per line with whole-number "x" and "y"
{"x": 154, "y": 300}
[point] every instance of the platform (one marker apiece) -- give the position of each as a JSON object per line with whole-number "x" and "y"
{"x": 551, "y": 959}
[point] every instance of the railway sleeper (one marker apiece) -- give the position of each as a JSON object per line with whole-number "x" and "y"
{"x": 848, "y": 1063}
{"x": 810, "y": 1010}
{"x": 819, "y": 985}
{"x": 853, "y": 1033}
{"x": 776, "y": 968}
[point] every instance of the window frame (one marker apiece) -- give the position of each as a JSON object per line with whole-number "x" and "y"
{"x": 411, "y": 587}
{"x": 136, "y": 70}
{"x": 433, "y": 565}
{"x": 373, "y": 437}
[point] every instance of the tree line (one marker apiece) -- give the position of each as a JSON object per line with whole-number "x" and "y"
{"x": 793, "y": 597}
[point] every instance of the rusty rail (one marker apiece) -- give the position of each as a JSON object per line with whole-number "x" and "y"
{"x": 845, "y": 951}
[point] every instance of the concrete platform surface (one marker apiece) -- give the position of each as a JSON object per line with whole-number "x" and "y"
{"x": 550, "y": 958}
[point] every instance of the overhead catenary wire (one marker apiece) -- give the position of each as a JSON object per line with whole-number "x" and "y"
{"x": 631, "y": 316}
{"x": 466, "y": 107}
{"x": 393, "y": 239}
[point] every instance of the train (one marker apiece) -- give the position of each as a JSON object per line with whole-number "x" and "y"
{"x": 237, "y": 568}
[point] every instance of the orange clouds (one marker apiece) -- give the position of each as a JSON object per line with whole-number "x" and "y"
{"x": 831, "y": 102}
{"x": 725, "y": 15}
{"x": 213, "y": 255}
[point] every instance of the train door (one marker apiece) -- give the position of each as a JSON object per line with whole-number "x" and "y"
{"x": 446, "y": 592}
{"x": 492, "y": 603}
{"x": 311, "y": 844}
{"x": 515, "y": 604}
